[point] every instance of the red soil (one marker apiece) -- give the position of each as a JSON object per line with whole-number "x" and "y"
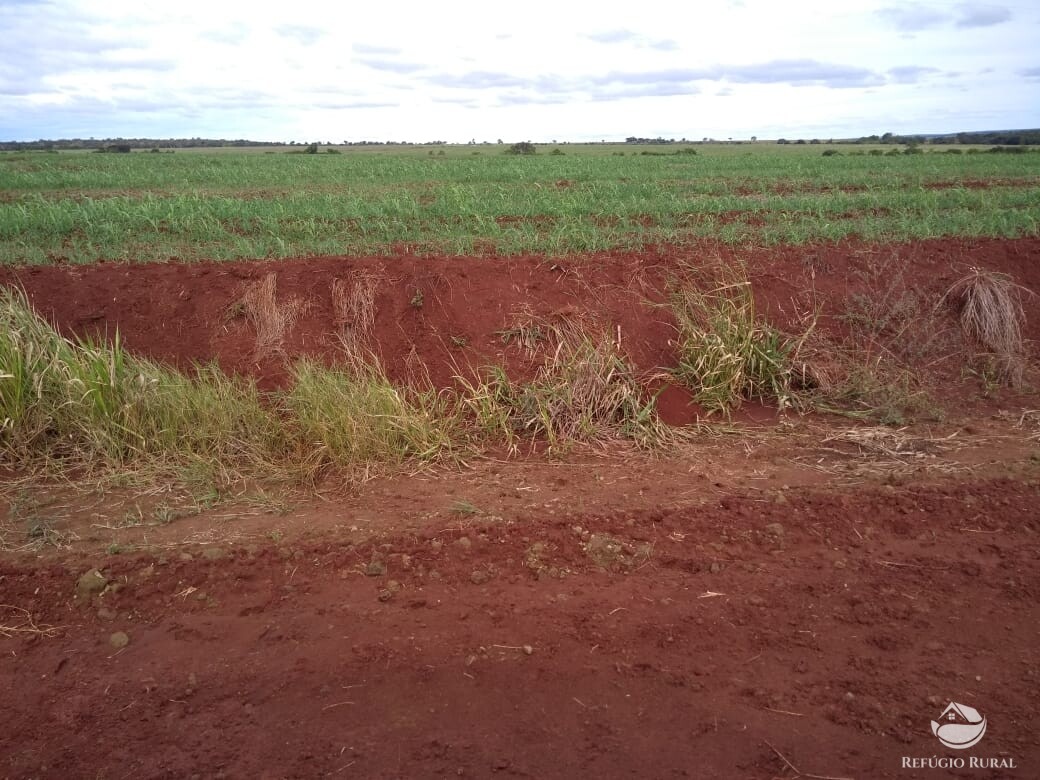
{"x": 738, "y": 607}
{"x": 184, "y": 313}
{"x": 709, "y": 645}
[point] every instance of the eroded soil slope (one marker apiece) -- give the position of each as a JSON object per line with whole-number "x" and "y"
{"x": 455, "y": 314}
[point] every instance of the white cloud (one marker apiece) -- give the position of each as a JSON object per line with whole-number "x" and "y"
{"x": 455, "y": 70}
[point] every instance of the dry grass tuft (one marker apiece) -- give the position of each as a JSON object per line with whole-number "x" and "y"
{"x": 586, "y": 391}
{"x": 890, "y": 442}
{"x": 992, "y": 315}
{"x": 271, "y": 320}
{"x": 354, "y": 307}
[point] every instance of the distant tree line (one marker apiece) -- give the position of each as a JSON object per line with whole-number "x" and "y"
{"x": 128, "y": 144}
{"x": 634, "y": 140}
{"x": 132, "y": 143}
{"x": 996, "y": 137}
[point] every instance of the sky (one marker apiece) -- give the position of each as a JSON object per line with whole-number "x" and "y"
{"x": 534, "y": 70}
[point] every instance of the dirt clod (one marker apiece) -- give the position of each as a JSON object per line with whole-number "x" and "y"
{"x": 90, "y": 583}
{"x": 375, "y": 568}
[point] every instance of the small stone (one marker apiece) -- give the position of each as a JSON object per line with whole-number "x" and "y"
{"x": 375, "y": 569}
{"x": 756, "y": 601}
{"x": 185, "y": 556}
{"x": 839, "y": 564}
{"x": 776, "y": 529}
{"x": 119, "y": 640}
{"x": 393, "y": 586}
{"x": 465, "y": 543}
{"x": 106, "y": 614}
{"x": 90, "y": 583}
{"x": 385, "y": 594}
{"x": 781, "y": 498}
{"x": 528, "y": 650}
{"x": 715, "y": 567}
{"x": 479, "y": 577}
{"x": 849, "y": 696}
{"x": 213, "y": 553}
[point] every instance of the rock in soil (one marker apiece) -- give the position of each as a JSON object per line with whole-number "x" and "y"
{"x": 90, "y": 583}
{"x": 375, "y": 569}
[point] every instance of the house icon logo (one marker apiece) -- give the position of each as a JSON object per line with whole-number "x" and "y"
{"x": 959, "y": 726}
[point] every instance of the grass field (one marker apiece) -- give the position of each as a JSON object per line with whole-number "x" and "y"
{"x": 83, "y": 207}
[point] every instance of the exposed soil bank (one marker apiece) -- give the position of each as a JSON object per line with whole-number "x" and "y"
{"x": 453, "y": 313}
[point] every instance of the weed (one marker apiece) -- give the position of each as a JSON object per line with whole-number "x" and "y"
{"x": 134, "y": 517}
{"x": 726, "y": 352}
{"x": 892, "y": 315}
{"x": 417, "y": 299}
{"x": 80, "y": 404}
{"x": 164, "y": 514}
{"x": 528, "y": 335}
{"x": 464, "y": 508}
{"x": 353, "y": 417}
{"x": 879, "y": 370}
{"x": 586, "y": 391}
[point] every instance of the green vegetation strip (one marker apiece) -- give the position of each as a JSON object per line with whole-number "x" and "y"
{"x": 80, "y": 207}
{"x": 93, "y": 408}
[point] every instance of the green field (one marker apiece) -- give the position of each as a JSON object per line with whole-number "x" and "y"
{"x": 462, "y": 200}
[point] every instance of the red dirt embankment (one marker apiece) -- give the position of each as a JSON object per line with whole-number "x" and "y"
{"x": 450, "y": 312}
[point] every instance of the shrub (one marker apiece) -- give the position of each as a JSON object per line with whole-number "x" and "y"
{"x": 524, "y": 147}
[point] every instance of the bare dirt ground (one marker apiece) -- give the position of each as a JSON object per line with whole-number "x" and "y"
{"x": 796, "y": 598}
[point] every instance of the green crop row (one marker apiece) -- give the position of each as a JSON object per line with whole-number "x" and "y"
{"x": 84, "y": 207}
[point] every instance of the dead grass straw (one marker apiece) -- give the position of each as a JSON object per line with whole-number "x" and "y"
{"x": 993, "y": 316}
{"x": 271, "y": 320}
{"x": 354, "y": 307}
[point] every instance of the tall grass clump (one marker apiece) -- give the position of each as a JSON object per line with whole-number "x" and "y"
{"x": 352, "y": 417}
{"x": 586, "y": 391}
{"x": 992, "y": 316}
{"x": 87, "y": 404}
{"x": 727, "y": 353}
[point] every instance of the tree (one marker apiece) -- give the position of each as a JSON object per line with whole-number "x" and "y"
{"x": 524, "y": 147}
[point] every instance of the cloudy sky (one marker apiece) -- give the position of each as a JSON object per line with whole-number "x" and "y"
{"x": 526, "y": 70}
